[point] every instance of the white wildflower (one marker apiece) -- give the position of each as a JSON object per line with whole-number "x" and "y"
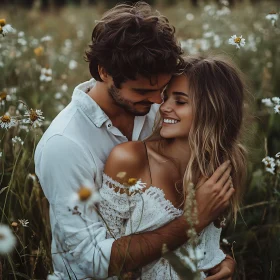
{"x": 5, "y": 28}
{"x": 7, "y": 239}
{"x": 23, "y": 222}
{"x": 72, "y": 64}
{"x": 46, "y": 75}
{"x": 87, "y": 194}
{"x": 277, "y": 109}
{"x": 277, "y": 155}
{"x": 136, "y": 186}
{"x": 17, "y": 139}
{"x": 64, "y": 87}
{"x": 269, "y": 163}
{"x": 34, "y": 117}
{"x": 225, "y": 241}
{"x": 273, "y": 17}
{"x": 32, "y": 176}
{"x": 189, "y": 16}
{"x": 195, "y": 254}
{"x": 58, "y": 95}
{"x": 267, "y": 102}
{"x": 6, "y": 121}
{"x": 276, "y": 100}
{"x": 237, "y": 41}
{"x": 46, "y": 38}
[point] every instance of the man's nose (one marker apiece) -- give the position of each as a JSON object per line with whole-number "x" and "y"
{"x": 155, "y": 98}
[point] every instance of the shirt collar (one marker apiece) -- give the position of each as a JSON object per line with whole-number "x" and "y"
{"x": 87, "y": 104}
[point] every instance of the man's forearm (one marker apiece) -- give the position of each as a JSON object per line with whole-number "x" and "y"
{"x": 137, "y": 250}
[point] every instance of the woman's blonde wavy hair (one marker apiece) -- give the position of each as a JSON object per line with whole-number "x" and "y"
{"x": 218, "y": 95}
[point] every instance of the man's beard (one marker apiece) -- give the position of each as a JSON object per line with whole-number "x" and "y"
{"x": 127, "y": 104}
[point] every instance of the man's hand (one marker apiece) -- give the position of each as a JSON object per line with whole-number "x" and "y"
{"x": 213, "y": 194}
{"x": 222, "y": 271}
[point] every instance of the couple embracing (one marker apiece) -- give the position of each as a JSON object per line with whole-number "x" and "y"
{"x": 115, "y": 125}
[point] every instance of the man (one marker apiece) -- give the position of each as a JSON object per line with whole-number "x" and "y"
{"x": 132, "y": 57}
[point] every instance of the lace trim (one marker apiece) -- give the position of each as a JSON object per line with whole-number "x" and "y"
{"x": 154, "y": 192}
{"x": 113, "y": 183}
{"x": 159, "y": 195}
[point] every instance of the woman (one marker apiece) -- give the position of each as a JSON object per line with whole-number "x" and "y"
{"x": 199, "y": 128}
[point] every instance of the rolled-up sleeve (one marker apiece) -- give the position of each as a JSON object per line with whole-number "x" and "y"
{"x": 79, "y": 245}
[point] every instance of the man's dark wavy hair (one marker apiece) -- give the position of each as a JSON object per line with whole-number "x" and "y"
{"x": 131, "y": 40}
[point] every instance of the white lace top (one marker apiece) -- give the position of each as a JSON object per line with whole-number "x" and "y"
{"x": 147, "y": 211}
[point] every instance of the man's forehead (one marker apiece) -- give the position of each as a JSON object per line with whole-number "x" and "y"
{"x": 156, "y": 81}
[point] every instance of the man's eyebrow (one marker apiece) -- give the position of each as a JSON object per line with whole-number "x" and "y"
{"x": 150, "y": 90}
{"x": 180, "y": 93}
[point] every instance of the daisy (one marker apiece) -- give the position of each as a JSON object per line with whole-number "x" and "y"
{"x": 7, "y": 239}
{"x": 6, "y": 121}
{"x": 35, "y": 117}
{"x": 276, "y": 100}
{"x": 237, "y": 41}
{"x": 5, "y": 28}
{"x": 46, "y": 75}
{"x": 39, "y": 51}
{"x": 24, "y": 222}
{"x": 72, "y": 64}
{"x": 136, "y": 186}
{"x": 267, "y": 102}
{"x": 46, "y": 38}
{"x": 277, "y": 109}
{"x": 273, "y": 17}
{"x": 17, "y": 139}
{"x": 5, "y": 96}
{"x": 87, "y": 195}
{"x": 269, "y": 163}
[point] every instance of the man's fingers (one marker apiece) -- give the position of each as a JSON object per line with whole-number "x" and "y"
{"x": 219, "y": 171}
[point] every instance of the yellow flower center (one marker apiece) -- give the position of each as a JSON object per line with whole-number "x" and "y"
{"x": 132, "y": 181}
{"x": 237, "y": 40}
{"x": 5, "y": 119}
{"x": 3, "y": 95}
{"x": 2, "y": 22}
{"x": 33, "y": 115}
{"x": 39, "y": 51}
{"x": 84, "y": 193}
{"x": 14, "y": 224}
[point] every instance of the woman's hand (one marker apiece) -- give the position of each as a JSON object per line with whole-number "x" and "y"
{"x": 222, "y": 271}
{"x": 213, "y": 195}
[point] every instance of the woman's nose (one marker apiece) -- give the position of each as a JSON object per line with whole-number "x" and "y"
{"x": 165, "y": 107}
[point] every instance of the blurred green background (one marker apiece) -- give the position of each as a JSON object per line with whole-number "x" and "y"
{"x": 54, "y": 35}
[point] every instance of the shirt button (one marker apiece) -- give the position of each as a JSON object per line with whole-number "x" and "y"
{"x": 109, "y": 125}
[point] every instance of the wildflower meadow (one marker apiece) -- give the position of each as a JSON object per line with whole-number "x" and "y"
{"x": 42, "y": 60}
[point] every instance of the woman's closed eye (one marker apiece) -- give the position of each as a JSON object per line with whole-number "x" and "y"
{"x": 180, "y": 102}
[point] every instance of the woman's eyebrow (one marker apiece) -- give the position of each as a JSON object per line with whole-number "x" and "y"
{"x": 180, "y": 93}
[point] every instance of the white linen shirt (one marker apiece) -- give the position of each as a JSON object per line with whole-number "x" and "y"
{"x": 73, "y": 150}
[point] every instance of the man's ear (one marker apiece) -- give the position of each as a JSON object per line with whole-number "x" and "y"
{"x": 103, "y": 74}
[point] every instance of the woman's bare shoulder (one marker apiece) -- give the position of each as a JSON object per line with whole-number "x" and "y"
{"x": 129, "y": 157}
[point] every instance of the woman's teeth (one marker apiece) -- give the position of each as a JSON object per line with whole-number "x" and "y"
{"x": 169, "y": 121}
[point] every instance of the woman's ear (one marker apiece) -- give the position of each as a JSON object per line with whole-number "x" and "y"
{"x": 103, "y": 74}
